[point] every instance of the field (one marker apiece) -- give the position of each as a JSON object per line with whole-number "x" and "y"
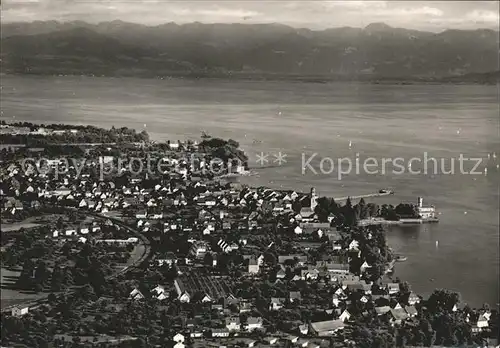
{"x": 11, "y": 297}
{"x": 17, "y": 226}
{"x": 9, "y": 225}
{"x": 215, "y": 287}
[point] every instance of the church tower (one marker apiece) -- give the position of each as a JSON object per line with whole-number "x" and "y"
{"x": 314, "y": 199}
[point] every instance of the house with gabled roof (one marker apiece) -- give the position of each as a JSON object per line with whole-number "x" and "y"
{"x": 182, "y": 293}
{"x": 276, "y": 303}
{"x": 481, "y": 323}
{"x": 233, "y": 324}
{"x": 141, "y": 214}
{"x": 411, "y": 311}
{"x": 295, "y": 296}
{"x": 297, "y": 230}
{"x": 393, "y": 288}
{"x": 381, "y": 310}
{"x": 253, "y": 266}
{"x": 19, "y": 311}
{"x": 397, "y": 316}
{"x": 345, "y": 316}
{"x": 411, "y": 298}
{"x": 70, "y": 232}
{"x": 270, "y": 340}
{"x": 136, "y": 294}
{"x": 206, "y": 298}
{"x": 220, "y": 332}
{"x": 160, "y": 293}
{"x": 310, "y": 273}
{"x": 179, "y": 338}
{"x": 326, "y": 328}
{"x": 254, "y": 323}
{"x": 82, "y": 203}
{"x": 364, "y": 267}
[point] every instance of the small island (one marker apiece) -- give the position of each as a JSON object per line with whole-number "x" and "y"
{"x": 111, "y": 239}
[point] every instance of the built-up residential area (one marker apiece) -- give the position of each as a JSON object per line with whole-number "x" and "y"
{"x": 184, "y": 258}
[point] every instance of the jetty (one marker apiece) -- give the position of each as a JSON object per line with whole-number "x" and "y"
{"x": 369, "y": 195}
{"x": 382, "y": 221}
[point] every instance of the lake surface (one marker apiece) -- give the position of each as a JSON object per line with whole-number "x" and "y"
{"x": 300, "y": 119}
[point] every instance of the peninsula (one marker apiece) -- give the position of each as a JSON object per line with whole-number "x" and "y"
{"x": 121, "y": 241}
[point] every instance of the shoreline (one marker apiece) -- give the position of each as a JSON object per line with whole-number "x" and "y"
{"x": 394, "y": 81}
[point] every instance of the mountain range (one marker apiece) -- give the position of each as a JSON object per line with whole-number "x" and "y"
{"x": 127, "y": 49}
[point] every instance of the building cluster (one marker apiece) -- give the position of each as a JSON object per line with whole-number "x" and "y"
{"x": 18, "y": 130}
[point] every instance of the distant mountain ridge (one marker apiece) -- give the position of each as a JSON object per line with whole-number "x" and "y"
{"x": 121, "y": 48}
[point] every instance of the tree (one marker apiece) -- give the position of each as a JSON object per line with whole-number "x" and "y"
{"x": 322, "y": 209}
{"x": 208, "y": 259}
{"x": 442, "y": 301}
{"x": 373, "y": 209}
{"x": 375, "y": 271}
{"x": 87, "y": 293}
{"x": 270, "y": 258}
{"x": 26, "y": 278}
{"x": 348, "y": 203}
{"x": 52, "y": 298}
{"x": 38, "y": 287}
{"x": 41, "y": 274}
{"x": 404, "y": 288}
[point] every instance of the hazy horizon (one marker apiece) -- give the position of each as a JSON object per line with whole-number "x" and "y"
{"x": 434, "y": 16}
{"x": 239, "y": 23}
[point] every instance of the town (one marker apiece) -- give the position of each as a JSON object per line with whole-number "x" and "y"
{"x": 184, "y": 258}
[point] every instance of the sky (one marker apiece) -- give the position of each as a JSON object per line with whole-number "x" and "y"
{"x": 422, "y": 15}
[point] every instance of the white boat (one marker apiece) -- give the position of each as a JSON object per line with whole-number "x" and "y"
{"x": 401, "y": 258}
{"x": 204, "y": 135}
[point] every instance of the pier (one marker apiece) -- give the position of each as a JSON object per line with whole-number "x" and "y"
{"x": 370, "y": 195}
{"x": 382, "y": 221}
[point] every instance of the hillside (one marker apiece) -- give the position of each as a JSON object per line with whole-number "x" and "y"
{"x": 120, "y": 48}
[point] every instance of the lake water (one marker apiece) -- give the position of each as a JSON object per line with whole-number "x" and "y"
{"x": 300, "y": 119}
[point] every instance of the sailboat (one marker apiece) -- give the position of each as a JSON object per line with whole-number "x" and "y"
{"x": 204, "y": 135}
{"x": 350, "y": 144}
{"x": 494, "y": 155}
